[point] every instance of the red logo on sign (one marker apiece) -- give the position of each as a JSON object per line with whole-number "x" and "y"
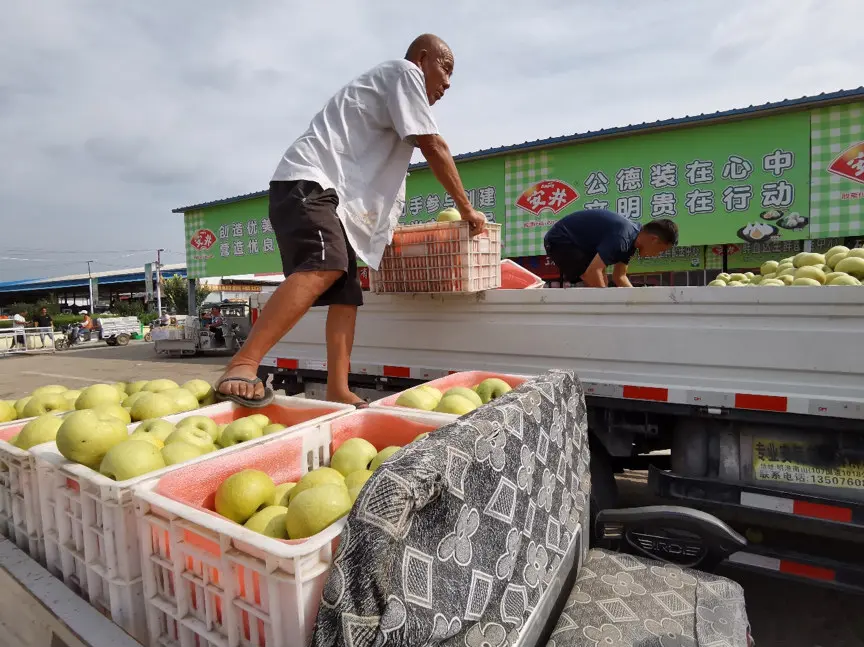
{"x": 203, "y": 239}
{"x": 730, "y": 249}
{"x": 552, "y": 195}
{"x": 850, "y": 163}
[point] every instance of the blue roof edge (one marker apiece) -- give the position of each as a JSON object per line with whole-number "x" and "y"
{"x": 35, "y": 285}
{"x": 839, "y": 96}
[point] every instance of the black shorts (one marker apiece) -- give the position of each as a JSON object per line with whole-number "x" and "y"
{"x": 572, "y": 261}
{"x": 311, "y": 238}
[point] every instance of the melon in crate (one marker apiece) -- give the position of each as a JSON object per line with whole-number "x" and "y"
{"x": 216, "y": 578}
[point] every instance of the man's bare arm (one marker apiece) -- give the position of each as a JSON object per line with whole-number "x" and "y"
{"x": 595, "y": 275}
{"x": 437, "y": 153}
{"x": 619, "y": 275}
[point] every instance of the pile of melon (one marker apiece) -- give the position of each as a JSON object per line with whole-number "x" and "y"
{"x": 838, "y": 266}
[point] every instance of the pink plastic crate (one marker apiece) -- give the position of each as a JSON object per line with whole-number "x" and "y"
{"x": 438, "y": 257}
{"x": 467, "y": 379}
{"x": 516, "y": 277}
{"x": 89, "y": 524}
{"x": 209, "y": 581}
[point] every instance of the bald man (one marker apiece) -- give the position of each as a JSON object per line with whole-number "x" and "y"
{"x": 336, "y": 196}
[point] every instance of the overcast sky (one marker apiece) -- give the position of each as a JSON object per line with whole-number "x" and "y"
{"x": 114, "y": 113}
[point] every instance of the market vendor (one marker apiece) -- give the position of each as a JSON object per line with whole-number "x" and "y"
{"x": 584, "y": 243}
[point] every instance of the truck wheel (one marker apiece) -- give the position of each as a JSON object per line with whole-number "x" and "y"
{"x": 121, "y": 340}
{"x": 604, "y": 489}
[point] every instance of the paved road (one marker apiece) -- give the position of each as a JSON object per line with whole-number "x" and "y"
{"x": 782, "y": 614}
{"x": 78, "y": 368}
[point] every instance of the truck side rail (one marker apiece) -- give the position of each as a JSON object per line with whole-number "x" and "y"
{"x": 786, "y": 350}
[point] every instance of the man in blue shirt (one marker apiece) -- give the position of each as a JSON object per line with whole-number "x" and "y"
{"x": 583, "y": 244}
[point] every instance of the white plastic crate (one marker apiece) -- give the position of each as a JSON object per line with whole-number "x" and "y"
{"x": 20, "y": 517}
{"x": 191, "y": 328}
{"x": 167, "y": 333}
{"x": 23, "y": 421}
{"x": 209, "y": 581}
{"x": 89, "y": 527}
{"x": 439, "y": 257}
{"x": 467, "y": 379}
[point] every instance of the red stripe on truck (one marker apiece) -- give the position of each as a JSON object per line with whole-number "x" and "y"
{"x": 397, "y": 371}
{"x": 653, "y": 393}
{"x": 822, "y": 511}
{"x": 760, "y": 402}
{"x": 805, "y": 570}
{"x": 287, "y": 363}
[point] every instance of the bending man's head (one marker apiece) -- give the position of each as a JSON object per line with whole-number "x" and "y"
{"x": 435, "y": 58}
{"x": 657, "y": 237}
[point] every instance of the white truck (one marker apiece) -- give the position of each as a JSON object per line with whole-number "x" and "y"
{"x": 759, "y": 395}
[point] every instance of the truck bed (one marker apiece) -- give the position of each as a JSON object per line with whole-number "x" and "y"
{"x": 791, "y": 350}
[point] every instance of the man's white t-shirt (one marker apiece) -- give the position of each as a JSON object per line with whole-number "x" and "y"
{"x": 360, "y": 145}
{"x": 18, "y": 321}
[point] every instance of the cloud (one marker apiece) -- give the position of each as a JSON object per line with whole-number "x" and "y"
{"x": 112, "y": 114}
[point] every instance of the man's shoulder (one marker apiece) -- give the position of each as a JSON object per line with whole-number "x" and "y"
{"x": 388, "y": 71}
{"x": 395, "y": 66}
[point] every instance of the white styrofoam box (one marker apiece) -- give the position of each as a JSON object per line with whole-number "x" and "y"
{"x": 89, "y": 527}
{"x": 20, "y": 518}
{"x": 468, "y": 379}
{"x": 210, "y": 581}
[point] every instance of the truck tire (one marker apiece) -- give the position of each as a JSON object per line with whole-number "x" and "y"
{"x": 604, "y": 489}
{"x": 121, "y": 340}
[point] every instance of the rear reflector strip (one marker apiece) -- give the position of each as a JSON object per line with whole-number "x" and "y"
{"x": 287, "y": 363}
{"x": 822, "y": 511}
{"x": 397, "y": 371}
{"x": 784, "y": 566}
{"x": 808, "y": 571}
{"x": 796, "y": 507}
{"x": 761, "y": 402}
{"x": 653, "y": 393}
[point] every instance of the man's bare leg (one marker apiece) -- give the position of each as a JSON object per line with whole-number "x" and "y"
{"x": 341, "y": 321}
{"x": 285, "y": 307}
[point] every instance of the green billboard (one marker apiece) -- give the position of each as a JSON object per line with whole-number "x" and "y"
{"x": 736, "y": 182}
{"x": 230, "y": 239}
{"x": 837, "y": 175}
{"x": 425, "y": 197}
{"x": 682, "y": 258}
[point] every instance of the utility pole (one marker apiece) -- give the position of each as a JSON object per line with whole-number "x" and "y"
{"x": 90, "y": 285}
{"x": 159, "y": 281}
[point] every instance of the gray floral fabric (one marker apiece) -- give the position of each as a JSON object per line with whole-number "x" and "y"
{"x": 624, "y": 601}
{"x": 455, "y": 539}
